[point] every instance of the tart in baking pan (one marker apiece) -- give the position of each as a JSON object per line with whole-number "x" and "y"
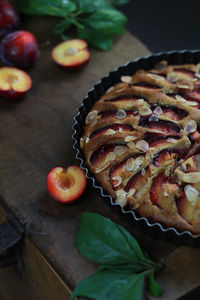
{"x": 141, "y": 142}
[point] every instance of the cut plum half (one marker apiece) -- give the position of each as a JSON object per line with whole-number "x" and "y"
{"x": 14, "y": 83}
{"x": 105, "y": 154}
{"x": 158, "y": 141}
{"x": 163, "y": 192}
{"x": 186, "y": 72}
{"x": 162, "y": 126}
{"x": 146, "y": 85}
{"x": 171, "y": 112}
{"x": 164, "y": 156}
{"x": 124, "y": 169}
{"x": 185, "y": 207}
{"x": 137, "y": 182}
{"x": 71, "y": 54}
{"x": 125, "y": 98}
{"x": 113, "y": 113}
{"x": 111, "y": 129}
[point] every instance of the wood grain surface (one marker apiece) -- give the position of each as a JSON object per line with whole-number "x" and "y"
{"x": 36, "y": 135}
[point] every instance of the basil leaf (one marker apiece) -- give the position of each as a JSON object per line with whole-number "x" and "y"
{"x": 108, "y": 21}
{"x": 63, "y": 25}
{"x": 111, "y": 286}
{"x": 88, "y": 6}
{"x": 46, "y": 7}
{"x": 102, "y": 241}
{"x": 95, "y": 38}
{"x": 153, "y": 288}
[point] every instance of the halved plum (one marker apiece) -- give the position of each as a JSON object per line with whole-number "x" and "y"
{"x": 171, "y": 112}
{"x": 162, "y": 141}
{"x": 112, "y": 114}
{"x": 129, "y": 97}
{"x": 146, "y": 85}
{"x": 164, "y": 156}
{"x": 167, "y": 127}
{"x": 107, "y": 153}
{"x": 111, "y": 129}
{"x": 185, "y": 72}
{"x": 163, "y": 192}
{"x": 185, "y": 208}
{"x": 123, "y": 169}
{"x": 137, "y": 181}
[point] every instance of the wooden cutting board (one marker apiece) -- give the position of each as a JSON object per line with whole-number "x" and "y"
{"x": 36, "y": 135}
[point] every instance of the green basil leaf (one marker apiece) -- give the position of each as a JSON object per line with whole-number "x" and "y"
{"x": 63, "y": 25}
{"x": 108, "y": 21}
{"x": 88, "y": 6}
{"x": 95, "y": 38}
{"x": 111, "y": 286}
{"x": 153, "y": 288}
{"x": 102, "y": 241}
{"x": 46, "y": 7}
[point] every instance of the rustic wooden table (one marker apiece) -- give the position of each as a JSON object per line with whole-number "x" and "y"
{"x": 36, "y": 135}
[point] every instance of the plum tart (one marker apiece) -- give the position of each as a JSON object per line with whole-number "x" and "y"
{"x": 141, "y": 142}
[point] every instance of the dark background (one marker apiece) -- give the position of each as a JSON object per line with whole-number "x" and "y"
{"x": 164, "y": 25}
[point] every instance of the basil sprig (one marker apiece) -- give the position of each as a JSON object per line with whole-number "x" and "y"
{"x": 124, "y": 266}
{"x": 96, "y": 21}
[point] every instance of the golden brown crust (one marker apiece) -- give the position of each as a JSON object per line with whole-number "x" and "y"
{"x": 138, "y": 139}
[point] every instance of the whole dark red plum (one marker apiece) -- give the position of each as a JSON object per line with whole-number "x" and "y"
{"x": 9, "y": 18}
{"x": 19, "y": 49}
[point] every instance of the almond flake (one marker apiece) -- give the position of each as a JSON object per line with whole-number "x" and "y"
{"x": 197, "y": 75}
{"x": 171, "y": 140}
{"x": 120, "y": 129}
{"x": 139, "y": 101}
{"x": 183, "y": 167}
{"x": 153, "y": 118}
{"x": 110, "y": 132}
{"x": 119, "y": 90}
{"x": 158, "y": 111}
{"x": 130, "y": 138}
{"x": 155, "y": 76}
{"x": 126, "y": 79}
{"x": 143, "y": 172}
{"x": 192, "y": 177}
{"x": 119, "y": 150}
{"x": 130, "y": 163}
{"x": 172, "y": 77}
{"x": 118, "y": 180}
{"x": 138, "y": 162}
{"x": 121, "y": 197}
{"x": 131, "y": 192}
{"x": 145, "y": 111}
{"x": 92, "y": 115}
{"x": 183, "y": 86}
{"x": 180, "y": 98}
{"x": 192, "y": 103}
{"x": 142, "y": 145}
{"x": 87, "y": 139}
{"x": 166, "y": 194}
{"x": 131, "y": 145}
{"x": 110, "y": 156}
{"x": 191, "y": 126}
{"x": 121, "y": 114}
{"x": 191, "y": 193}
{"x": 110, "y": 89}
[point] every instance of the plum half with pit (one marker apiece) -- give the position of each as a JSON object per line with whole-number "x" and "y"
{"x": 71, "y": 55}
{"x": 14, "y": 83}
{"x": 9, "y": 18}
{"x": 19, "y": 49}
{"x": 66, "y": 185}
